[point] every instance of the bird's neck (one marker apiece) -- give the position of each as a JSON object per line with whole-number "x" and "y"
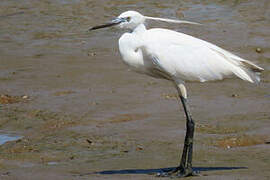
{"x": 139, "y": 29}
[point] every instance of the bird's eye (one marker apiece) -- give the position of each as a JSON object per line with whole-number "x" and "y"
{"x": 128, "y": 19}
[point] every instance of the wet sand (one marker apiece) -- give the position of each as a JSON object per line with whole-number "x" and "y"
{"x": 80, "y": 110}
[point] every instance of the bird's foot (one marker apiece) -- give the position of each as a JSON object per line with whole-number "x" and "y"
{"x": 178, "y": 172}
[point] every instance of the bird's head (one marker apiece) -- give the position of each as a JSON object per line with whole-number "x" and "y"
{"x": 127, "y": 20}
{"x": 131, "y": 19}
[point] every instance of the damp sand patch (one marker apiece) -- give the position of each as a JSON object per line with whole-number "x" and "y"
{"x": 242, "y": 140}
{"x": 218, "y": 129}
{"x": 8, "y": 99}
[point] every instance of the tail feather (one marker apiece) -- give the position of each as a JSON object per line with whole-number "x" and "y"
{"x": 253, "y": 67}
{"x": 242, "y": 68}
{"x": 249, "y": 71}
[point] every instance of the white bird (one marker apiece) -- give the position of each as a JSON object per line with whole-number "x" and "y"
{"x": 166, "y": 54}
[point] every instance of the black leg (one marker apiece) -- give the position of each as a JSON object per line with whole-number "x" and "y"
{"x": 186, "y": 160}
{"x": 185, "y": 167}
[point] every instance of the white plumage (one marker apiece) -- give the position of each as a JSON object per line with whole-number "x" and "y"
{"x": 168, "y": 54}
{"x": 178, "y": 57}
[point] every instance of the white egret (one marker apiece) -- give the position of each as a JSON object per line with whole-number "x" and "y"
{"x": 166, "y": 54}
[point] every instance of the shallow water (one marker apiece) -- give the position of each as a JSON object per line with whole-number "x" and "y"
{"x": 7, "y": 137}
{"x": 86, "y": 112}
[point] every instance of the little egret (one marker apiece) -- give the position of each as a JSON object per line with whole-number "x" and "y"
{"x": 174, "y": 56}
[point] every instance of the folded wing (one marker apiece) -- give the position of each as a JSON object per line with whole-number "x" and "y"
{"x": 190, "y": 59}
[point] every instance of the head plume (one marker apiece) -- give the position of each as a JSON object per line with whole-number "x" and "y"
{"x": 171, "y": 20}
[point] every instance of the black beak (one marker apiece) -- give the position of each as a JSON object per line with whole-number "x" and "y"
{"x": 112, "y": 23}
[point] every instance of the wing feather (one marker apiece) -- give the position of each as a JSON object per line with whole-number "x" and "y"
{"x": 187, "y": 58}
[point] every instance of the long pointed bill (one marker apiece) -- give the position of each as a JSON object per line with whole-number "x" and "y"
{"x": 171, "y": 20}
{"x": 112, "y": 23}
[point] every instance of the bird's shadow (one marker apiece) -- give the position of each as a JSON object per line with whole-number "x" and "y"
{"x": 158, "y": 170}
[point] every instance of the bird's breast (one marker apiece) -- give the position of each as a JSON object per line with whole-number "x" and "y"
{"x": 131, "y": 52}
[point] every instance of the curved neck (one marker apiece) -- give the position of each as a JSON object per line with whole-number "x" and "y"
{"x": 140, "y": 28}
